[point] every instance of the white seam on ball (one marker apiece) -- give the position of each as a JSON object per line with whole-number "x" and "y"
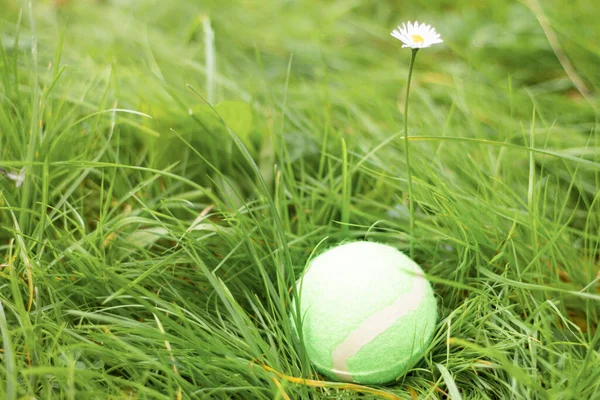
{"x": 376, "y": 324}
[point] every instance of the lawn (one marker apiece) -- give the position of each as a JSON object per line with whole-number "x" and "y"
{"x": 182, "y": 160}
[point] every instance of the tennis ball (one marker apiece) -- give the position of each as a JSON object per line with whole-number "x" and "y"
{"x": 367, "y": 312}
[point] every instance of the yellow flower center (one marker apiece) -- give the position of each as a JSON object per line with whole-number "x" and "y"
{"x": 417, "y": 38}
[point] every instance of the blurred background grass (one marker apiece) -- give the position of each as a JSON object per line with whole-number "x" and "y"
{"x": 145, "y": 256}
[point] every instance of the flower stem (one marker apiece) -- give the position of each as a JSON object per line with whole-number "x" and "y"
{"x": 411, "y": 205}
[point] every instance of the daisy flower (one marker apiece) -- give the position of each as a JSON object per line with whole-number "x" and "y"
{"x": 18, "y": 177}
{"x": 416, "y": 36}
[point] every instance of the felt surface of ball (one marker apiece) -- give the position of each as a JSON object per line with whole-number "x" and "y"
{"x": 368, "y": 313}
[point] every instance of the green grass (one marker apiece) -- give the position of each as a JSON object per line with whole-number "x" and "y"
{"x": 150, "y": 251}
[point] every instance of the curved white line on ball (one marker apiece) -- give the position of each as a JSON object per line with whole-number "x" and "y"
{"x": 376, "y": 324}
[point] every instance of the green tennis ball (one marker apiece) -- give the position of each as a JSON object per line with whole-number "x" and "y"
{"x": 368, "y": 314}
